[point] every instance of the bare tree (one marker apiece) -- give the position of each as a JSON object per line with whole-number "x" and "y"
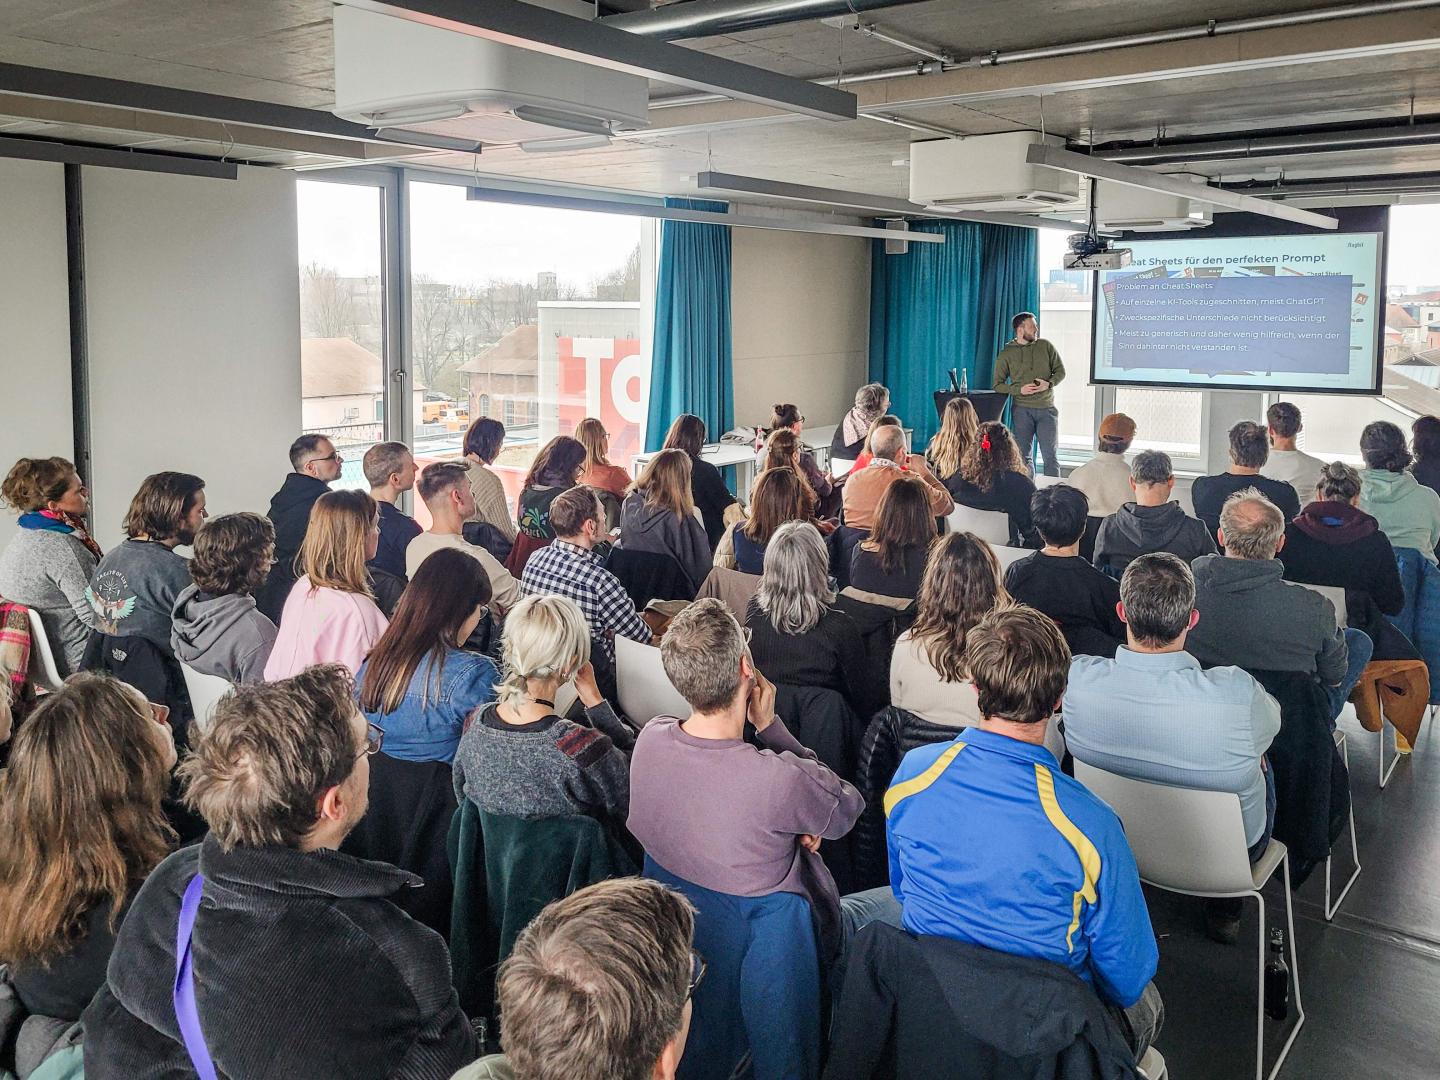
{"x": 327, "y": 306}
{"x": 622, "y": 283}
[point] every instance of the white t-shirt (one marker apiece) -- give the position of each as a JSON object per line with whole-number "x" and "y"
{"x": 1296, "y": 468}
{"x": 1105, "y": 480}
{"x": 505, "y": 589}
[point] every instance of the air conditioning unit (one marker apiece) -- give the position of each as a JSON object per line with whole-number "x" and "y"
{"x": 453, "y": 89}
{"x": 989, "y": 172}
{"x": 1132, "y": 209}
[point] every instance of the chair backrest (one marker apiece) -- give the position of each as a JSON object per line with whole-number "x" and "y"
{"x": 1336, "y": 596}
{"x": 1185, "y": 840}
{"x": 645, "y": 691}
{"x": 43, "y": 675}
{"x": 1043, "y": 481}
{"x": 205, "y": 691}
{"x": 991, "y": 525}
{"x": 1008, "y": 556}
{"x": 731, "y": 587}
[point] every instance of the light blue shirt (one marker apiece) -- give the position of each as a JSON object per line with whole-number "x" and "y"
{"x": 1160, "y": 717}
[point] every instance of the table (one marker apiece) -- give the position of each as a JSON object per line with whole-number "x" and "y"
{"x": 989, "y": 405}
{"x": 741, "y": 455}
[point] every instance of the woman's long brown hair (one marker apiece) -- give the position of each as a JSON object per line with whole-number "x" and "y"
{"x": 782, "y": 451}
{"x": 993, "y": 452}
{"x": 958, "y": 428}
{"x": 332, "y": 554}
{"x": 903, "y": 520}
{"x": 591, "y": 434}
{"x": 665, "y": 481}
{"x": 80, "y": 816}
{"x": 779, "y": 495}
{"x": 962, "y": 585}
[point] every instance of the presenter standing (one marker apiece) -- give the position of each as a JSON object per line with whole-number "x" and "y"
{"x": 1028, "y": 368}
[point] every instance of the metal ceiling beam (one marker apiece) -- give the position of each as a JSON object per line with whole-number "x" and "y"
{"x": 707, "y": 217}
{"x": 536, "y": 29}
{"x": 705, "y": 18}
{"x": 13, "y": 146}
{"x": 1053, "y": 157}
{"x": 1327, "y": 140}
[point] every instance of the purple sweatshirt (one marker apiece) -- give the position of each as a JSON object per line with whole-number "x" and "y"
{"x": 726, "y": 816}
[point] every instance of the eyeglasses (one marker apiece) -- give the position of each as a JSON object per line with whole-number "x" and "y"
{"x": 334, "y": 455}
{"x": 697, "y": 974}
{"x": 374, "y": 740}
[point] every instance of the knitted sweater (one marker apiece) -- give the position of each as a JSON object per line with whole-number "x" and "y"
{"x": 50, "y": 572}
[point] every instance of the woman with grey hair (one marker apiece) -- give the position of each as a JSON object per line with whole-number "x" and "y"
{"x": 871, "y": 401}
{"x": 796, "y": 636}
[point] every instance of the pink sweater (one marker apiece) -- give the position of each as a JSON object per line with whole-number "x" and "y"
{"x": 323, "y": 626}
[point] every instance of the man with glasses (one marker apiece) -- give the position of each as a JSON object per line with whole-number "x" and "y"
{"x": 316, "y": 465}
{"x": 598, "y": 987}
{"x": 296, "y": 962}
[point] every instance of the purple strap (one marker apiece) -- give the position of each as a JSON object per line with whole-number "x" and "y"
{"x": 185, "y": 1013}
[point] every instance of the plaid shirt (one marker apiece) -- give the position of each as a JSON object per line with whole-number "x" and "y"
{"x": 562, "y": 569}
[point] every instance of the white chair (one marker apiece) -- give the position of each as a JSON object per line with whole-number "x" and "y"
{"x": 1331, "y": 909}
{"x": 1152, "y": 1066}
{"x": 1043, "y": 481}
{"x": 989, "y": 525}
{"x": 1009, "y": 556}
{"x": 642, "y": 686}
{"x": 840, "y": 466}
{"x": 1193, "y": 842}
{"x": 205, "y": 692}
{"x": 42, "y": 673}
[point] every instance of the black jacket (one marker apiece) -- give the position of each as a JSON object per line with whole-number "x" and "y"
{"x": 707, "y": 488}
{"x": 1136, "y": 530}
{"x": 932, "y": 1007}
{"x": 1208, "y": 495}
{"x": 1012, "y": 493}
{"x": 1080, "y": 599}
{"x": 290, "y": 514}
{"x": 303, "y": 968}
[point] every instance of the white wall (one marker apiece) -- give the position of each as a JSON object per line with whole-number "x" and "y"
{"x": 35, "y": 314}
{"x": 800, "y": 318}
{"x": 194, "y": 331}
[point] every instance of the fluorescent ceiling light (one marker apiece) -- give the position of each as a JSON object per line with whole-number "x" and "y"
{"x": 408, "y": 137}
{"x": 565, "y": 142}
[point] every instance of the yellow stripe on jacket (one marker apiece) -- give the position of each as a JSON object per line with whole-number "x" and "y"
{"x": 1084, "y": 849}
{"x": 917, "y": 784}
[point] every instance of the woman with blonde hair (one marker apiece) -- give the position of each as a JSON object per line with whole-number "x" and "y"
{"x": 330, "y": 616}
{"x": 521, "y": 759}
{"x": 779, "y": 495}
{"x": 993, "y": 476}
{"x": 959, "y": 429}
{"x": 81, "y": 817}
{"x": 598, "y": 472}
{"x": 785, "y": 426}
{"x": 659, "y": 516}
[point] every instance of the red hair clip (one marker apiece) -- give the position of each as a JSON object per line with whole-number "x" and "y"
{"x": 985, "y": 442}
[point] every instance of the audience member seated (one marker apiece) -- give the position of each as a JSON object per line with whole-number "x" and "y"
{"x": 598, "y": 472}
{"x": 779, "y": 495}
{"x": 282, "y": 775}
{"x": 483, "y": 442}
{"x": 1249, "y": 450}
{"x": 992, "y": 477}
{"x": 659, "y": 516}
{"x": 1333, "y": 542}
{"x": 891, "y": 460}
{"x": 788, "y": 418}
{"x": 796, "y": 634}
{"x": 1057, "y": 581}
{"x": 390, "y": 471}
{"x": 1252, "y": 619}
{"x": 315, "y": 465}
{"x": 418, "y": 685}
{"x": 1296, "y": 468}
{"x": 134, "y": 587}
{"x": 556, "y": 469}
{"x": 1152, "y": 522}
{"x": 959, "y": 428}
{"x": 752, "y": 816}
{"x": 48, "y": 562}
{"x": 891, "y": 560}
{"x": 867, "y": 450}
{"x": 83, "y": 826}
{"x": 991, "y": 844}
{"x": 707, "y": 488}
{"x": 331, "y": 616}
{"x": 1154, "y": 714}
{"x": 928, "y": 676}
{"x": 871, "y": 401}
{"x": 784, "y": 450}
{"x": 444, "y": 489}
{"x": 217, "y": 628}
{"x": 1425, "y": 439}
{"x": 1105, "y": 478}
{"x": 598, "y": 987}
{"x": 517, "y": 757}
{"x": 571, "y": 567}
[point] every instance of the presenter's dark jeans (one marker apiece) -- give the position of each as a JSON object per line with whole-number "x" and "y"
{"x": 1032, "y": 425}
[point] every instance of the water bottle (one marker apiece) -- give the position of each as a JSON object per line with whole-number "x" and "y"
{"x": 1277, "y": 978}
{"x": 964, "y": 386}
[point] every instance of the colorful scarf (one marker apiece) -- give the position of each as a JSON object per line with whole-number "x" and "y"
{"x": 857, "y": 424}
{"x": 60, "y": 521}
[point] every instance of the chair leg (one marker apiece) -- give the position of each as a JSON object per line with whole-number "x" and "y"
{"x": 1332, "y": 908}
{"x": 1385, "y": 773}
{"x": 1260, "y": 994}
{"x": 1294, "y": 973}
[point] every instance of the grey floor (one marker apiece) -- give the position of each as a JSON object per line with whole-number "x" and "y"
{"x": 1370, "y": 980}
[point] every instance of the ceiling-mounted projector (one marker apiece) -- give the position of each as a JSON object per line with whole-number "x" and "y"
{"x": 1091, "y": 252}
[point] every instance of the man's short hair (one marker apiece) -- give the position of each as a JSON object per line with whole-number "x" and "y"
{"x": 1249, "y": 444}
{"x": 159, "y": 509}
{"x": 1019, "y": 663}
{"x": 596, "y": 984}
{"x": 701, "y": 652}
{"x": 1019, "y": 319}
{"x": 384, "y": 460}
{"x": 1152, "y": 467}
{"x": 440, "y": 478}
{"x": 1284, "y": 419}
{"x": 572, "y": 508}
{"x": 1252, "y": 525}
{"x": 304, "y": 448}
{"x": 1158, "y": 591}
{"x": 1059, "y": 513}
{"x": 268, "y": 755}
{"x": 887, "y": 441}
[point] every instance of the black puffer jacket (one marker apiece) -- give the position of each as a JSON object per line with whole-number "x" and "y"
{"x": 290, "y": 514}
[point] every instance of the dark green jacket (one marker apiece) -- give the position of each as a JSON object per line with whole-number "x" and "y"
{"x": 1020, "y": 364}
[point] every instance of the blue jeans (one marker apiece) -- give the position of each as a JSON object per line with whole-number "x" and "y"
{"x": 1361, "y": 648}
{"x": 1037, "y": 425}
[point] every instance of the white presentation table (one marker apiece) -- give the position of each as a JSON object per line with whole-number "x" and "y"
{"x": 742, "y": 456}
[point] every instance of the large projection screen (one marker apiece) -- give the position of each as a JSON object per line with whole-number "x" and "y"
{"x": 1299, "y": 312}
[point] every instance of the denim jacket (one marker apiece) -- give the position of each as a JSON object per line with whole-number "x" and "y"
{"x": 428, "y": 724}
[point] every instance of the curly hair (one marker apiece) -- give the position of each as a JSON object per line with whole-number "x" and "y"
{"x": 962, "y": 583}
{"x": 233, "y": 554}
{"x": 993, "y": 452}
{"x": 1382, "y": 445}
{"x": 33, "y": 482}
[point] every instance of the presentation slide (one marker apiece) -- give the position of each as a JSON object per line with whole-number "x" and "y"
{"x": 1296, "y": 312}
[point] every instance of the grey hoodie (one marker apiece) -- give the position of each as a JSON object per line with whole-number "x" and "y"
{"x": 659, "y": 530}
{"x": 1136, "y": 530}
{"x": 222, "y": 635}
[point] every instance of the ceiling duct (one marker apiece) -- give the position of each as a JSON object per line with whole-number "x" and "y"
{"x": 1300, "y": 141}
{"x": 706, "y": 18}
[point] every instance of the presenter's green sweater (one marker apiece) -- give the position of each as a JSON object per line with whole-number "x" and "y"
{"x": 1020, "y": 364}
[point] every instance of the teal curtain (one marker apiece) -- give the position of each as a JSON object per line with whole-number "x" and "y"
{"x": 691, "y": 367}
{"x": 946, "y": 305}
